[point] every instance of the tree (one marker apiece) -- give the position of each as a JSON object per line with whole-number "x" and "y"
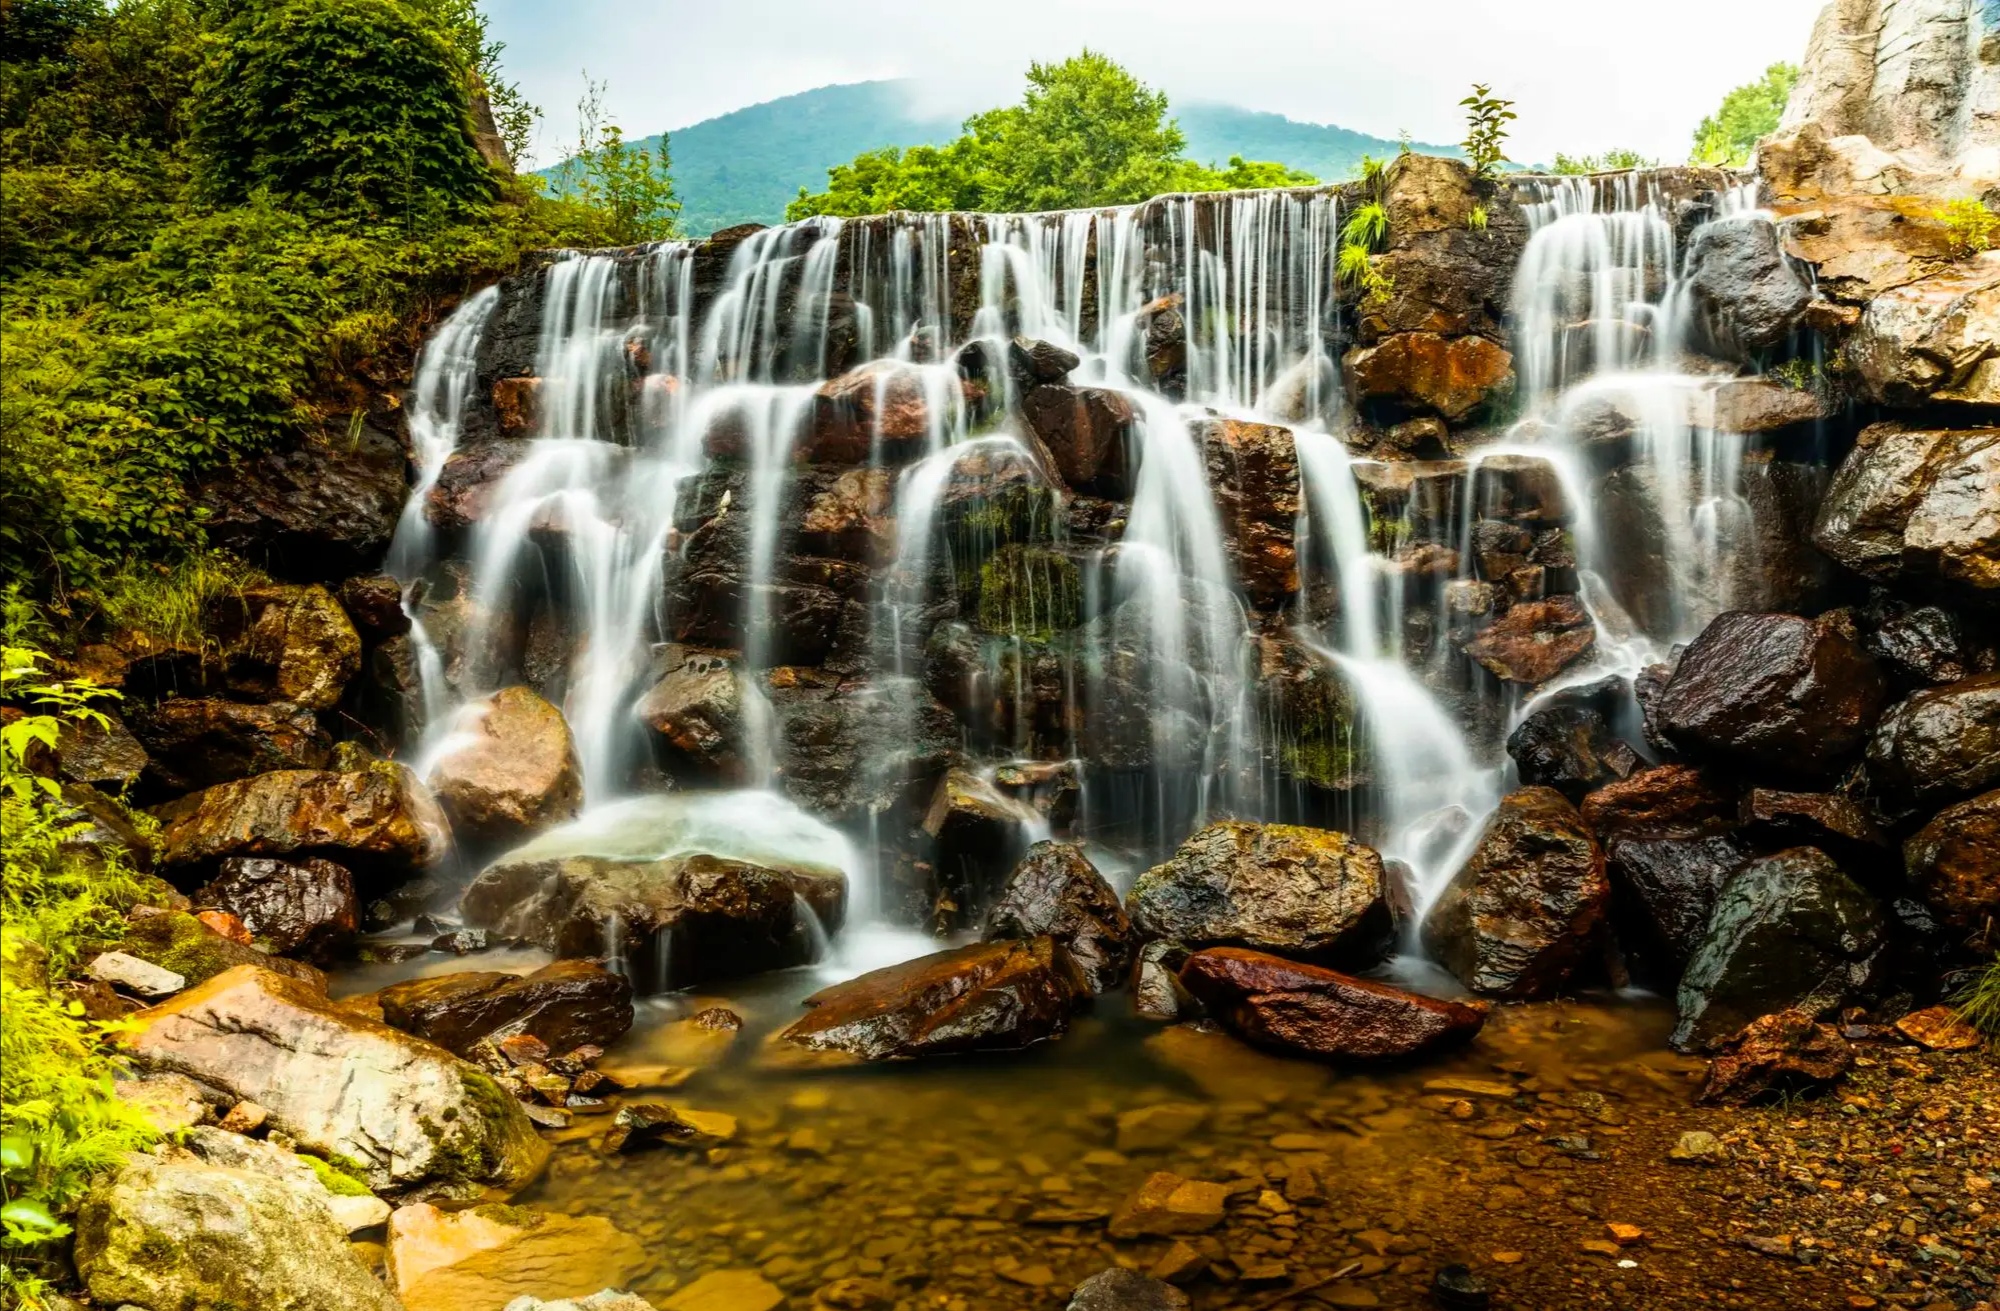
{"x": 629, "y": 186}
{"x": 924, "y": 178}
{"x": 1242, "y": 175}
{"x": 1611, "y": 161}
{"x": 1747, "y": 115}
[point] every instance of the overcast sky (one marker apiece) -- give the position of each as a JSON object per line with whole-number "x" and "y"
{"x": 1588, "y": 75}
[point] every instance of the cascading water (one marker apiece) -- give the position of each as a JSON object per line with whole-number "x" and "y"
{"x": 685, "y": 400}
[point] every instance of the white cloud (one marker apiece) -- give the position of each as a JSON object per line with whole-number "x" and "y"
{"x": 1587, "y": 75}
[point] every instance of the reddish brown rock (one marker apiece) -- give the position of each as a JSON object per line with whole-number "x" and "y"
{"x": 987, "y": 997}
{"x": 1291, "y": 1007}
{"x": 1529, "y": 908}
{"x": 566, "y": 1004}
{"x": 1056, "y": 891}
{"x": 1955, "y": 861}
{"x": 1424, "y": 370}
{"x": 1781, "y": 1052}
{"x": 464, "y": 488}
{"x": 197, "y": 742}
{"x": 1253, "y": 473}
{"x": 516, "y": 774}
{"x": 306, "y": 907}
{"x": 514, "y": 405}
{"x": 853, "y": 517}
{"x": 1939, "y": 1029}
{"x": 1825, "y": 820}
{"x": 884, "y": 407}
{"x": 1532, "y": 643}
{"x": 1664, "y": 798}
{"x": 1791, "y": 694}
{"x": 696, "y": 710}
{"x": 1087, "y": 431}
{"x": 381, "y": 817}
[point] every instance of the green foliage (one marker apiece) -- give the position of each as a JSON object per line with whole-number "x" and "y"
{"x": 465, "y": 27}
{"x": 1747, "y": 115}
{"x": 1367, "y": 226}
{"x": 1477, "y": 219}
{"x": 172, "y": 603}
{"x": 1979, "y": 1004}
{"x": 1086, "y": 133}
{"x": 628, "y": 184}
{"x": 358, "y": 106}
{"x": 1611, "y": 161}
{"x": 59, "y": 1123}
{"x": 1968, "y": 225}
{"x": 1486, "y": 120}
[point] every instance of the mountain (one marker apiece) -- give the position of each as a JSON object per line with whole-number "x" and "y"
{"x": 746, "y": 165}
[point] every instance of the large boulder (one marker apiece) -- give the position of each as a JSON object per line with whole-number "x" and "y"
{"x": 198, "y": 742}
{"x": 382, "y": 817}
{"x": 1916, "y": 504}
{"x": 102, "y": 752}
{"x": 885, "y": 408}
{"x": 1746, "y": 295}
{"x": 978, "y": 832}
{"x": 991, "y": 996}
{"x": 567, "y": 1004}
{"x": 1534, "y": 642}
{"x": 1306, "y": 1010}
{"x": 1941, "y": 744}
{"x": 487, "y": 1256}
{"x": 288, "y": 644}
{"x": 513, "y": 773}
{"x": 1571, "y": 749}
{"x": 1275, "y": 887}
{"x": 176, "y": 1234}
{"x": 1664, "y": 887}
{"x": 1955, "y": 862}
{"x": 1779, "y": 691}
{"x": 318, "y": 512}
{"x": 1528, "y": 910}
{"x": 413, "y": 1118}
{"x": 1088, "y": 432}
{"x": 1936, "y": 339}
{"x": 1056, "y": 892}
{"x": 1427, "y": 371}
{"x": 1253, "y": 474}
{"x": 695, "y": 711}
{"x": 1789, "y": 931}
{"x": 1661, "y": 798}
{"x": 306, "y": 907}
{"x": 674, "y": 921}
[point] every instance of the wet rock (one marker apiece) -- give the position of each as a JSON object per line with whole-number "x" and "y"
{"x": 1306, "y": 1010}
{"x": 1161, "y": 328}
{"x": 1034, "y": 361}
{"x": 176, "y": 1234}
{"x": 1453, "y": 376}
{"x": 1253, "y": 473}
{"x": 489, "y": 1255}
{"x": 1784, "y": 1051}
{"x": 374, "y": 603}
{"x": 1941, "y": 744}
{"x": 1532, "y": 643}
{"x": 1790, "y": 931}
{"x": 1746, "y": 295}
{"x": 681, "y": 920}
{"x": 307, "y": 907}
{"x": 978, "y": 831}
{"x": 1056, "y": 891}
{"x": 1520, "y": 488}
{"x": 851, "y": 517}
{"x": 188, "y": 946}
{"x": 1276, "y": 887}
{"x": 1157, "y": 993}
{"x": 885, "y": 406}
{"x": 463, "y": 494}
{"x": 105, "y": 754}
{"x": 1922, "y": 645}
{"x": 514, "y": 773}
{"x": 1791, "y": 694}
{"x": 197, "y": 742}
{"x": 1167, "y": 1204}
{"x": 1826, "y": 820}
{"x": 1456, "y": 1288}
{"x": 381, "y": 818}
{"x": 566, "y": 1004}
{"x": 412, "y": 1117}
{"x": 653, "y": 1124}
{"x": 1939, "y": 1029}
{"x": 848, "y": 751}
{"x": 1916, "y": 504}
{"x": 1698, "y": 1147}
{"x": 318, "y": 512}
{"x": 1932, "y": 340}
{"x": 1664, "y": 888}
{"x": 1662, "y": 798}
{"x": 286, "y": 644}
{"x": 1955, "y": 861}
{"x": 986, "y": 997}
{"x": 1088, "y": 432}
{"x": 1126, "y": 1290}
{"x": 696, "y": 711}
{"x": 1528, "y": 909}
{"x": 1571, "y": 749}
{"x": 1754, "y": 405}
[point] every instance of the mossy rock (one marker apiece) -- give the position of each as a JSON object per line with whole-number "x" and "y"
{"x": 1313, "y": 720}
{"x": 175, "y": 940}
{"x": 1028, "y": 591}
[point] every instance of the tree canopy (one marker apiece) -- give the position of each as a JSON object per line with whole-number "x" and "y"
{"x": 1085, "y": 133}
{"x": 1747, "y": 114}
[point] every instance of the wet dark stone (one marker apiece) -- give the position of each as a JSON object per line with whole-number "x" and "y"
{"x": 1088, "y": 431}
{"x": 1055, "y": 890}
{"x": 1035, "y": 361}
{"x": 374, "y": 602}
{"x": 1790, "y": 931}
{"x": 462, "y": 942}
{"x": 1954, "y": 860}
{"x": 197, "y": 742}
{"x": 1923, "y": 645}
{"x": 1747, "y": 297}
{"x": 1126, "y": 1290}
{"x": 1826, "y": 820}
{"x": 1663, "y": 798}
{"x": 1781, "y": 1052}
{"x": 1456, "y": 1288}
{"x": 1527, "y": 911}
{"x": 1780, "y": 691}
{"x": 1305, "y": 1010}
{"x": 1570, "y": 749}
{"x": 305, "y": 908}
{"x": 1941, "y": 744}
{"x": 993, "y": 996}
{"x": 323, "y": 510}
{"x": 102, "y": 754}
{"x": 1663, "y": 888}
{"x": 566, "y": 1004}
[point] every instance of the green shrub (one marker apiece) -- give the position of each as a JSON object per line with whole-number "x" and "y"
{"x": 1486, "y": 120}
{"x": 354, "y": 105}
{"x": 1747, "y": 114}
{"x": 1968, "y": 225}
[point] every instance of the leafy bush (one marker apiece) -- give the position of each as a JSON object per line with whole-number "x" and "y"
{"x": 1486, "y": 120}
{"x": 354, "y": 105}
{"x": 1242, "y": 175}
{"x": 1968, "y": 225}
{"x": 1747, "y": 115}
{"x": 624, "y": 182}
{"x": 1611, "y": 161}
